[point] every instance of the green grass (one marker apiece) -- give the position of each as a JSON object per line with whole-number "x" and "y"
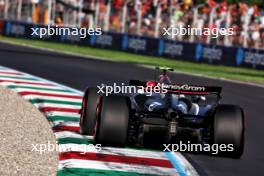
{"x": 233, "y": 73}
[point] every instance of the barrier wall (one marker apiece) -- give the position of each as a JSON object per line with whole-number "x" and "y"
{"x": 194, "y": 52}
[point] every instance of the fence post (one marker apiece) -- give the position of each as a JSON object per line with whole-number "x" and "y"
{"x": 19, "y": 7}
{"x": 228, "y": 17}
{"x": 97, "y": 8}
{"x": 107, "y": 16}
{"x": 195, "y": 16}
{"x": 80, "y": 13}
{"x": 6, "y": 9}
{"x": 157, "y": 25}
{"x": 211, "y": 21}
{"x": 245, "y": 29}
{"x": 124, "y": 15}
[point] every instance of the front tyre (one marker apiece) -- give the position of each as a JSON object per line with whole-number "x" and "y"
{"x": 228, "y": 129}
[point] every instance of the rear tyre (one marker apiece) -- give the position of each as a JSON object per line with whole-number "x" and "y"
{"x": 88, "y": 111}
{"x": 112, "y": 124}
{"x": 228, "y": 129}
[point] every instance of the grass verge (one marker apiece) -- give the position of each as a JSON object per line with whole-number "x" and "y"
{"x": 232, "y": 73}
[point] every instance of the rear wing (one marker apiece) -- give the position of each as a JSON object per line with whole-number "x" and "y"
{"x": 182, "y": 89}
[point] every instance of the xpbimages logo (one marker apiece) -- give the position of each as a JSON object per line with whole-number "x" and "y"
{"x": 51, "y": 147}
{"x": 189, "y": 147}
{"x": 69, "y": 31}
{"x": 214, "y": 32}
{"x": 125, "y": 89}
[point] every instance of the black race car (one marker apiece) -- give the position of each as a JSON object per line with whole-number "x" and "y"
{"x": 183, "y": 113}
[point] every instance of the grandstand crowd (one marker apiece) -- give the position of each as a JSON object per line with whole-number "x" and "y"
{"x": 246, "y": 20}
{"x": 150, "y": 17}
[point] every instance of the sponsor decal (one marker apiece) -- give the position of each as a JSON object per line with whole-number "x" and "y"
{"x": 106, "y": 40}
{"x": 173, "y": 49}
{"x": 137, "y": 44}
{"x": 254, "y": 58}
{"x": 15, "y": 29}
{"x": 184, "y": 87}
{"x": 211, "y": 54}
{"x": 206, "y": 53}
{"x": 18, "y": 29}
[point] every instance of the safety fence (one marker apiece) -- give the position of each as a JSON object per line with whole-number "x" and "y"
{"x": 193, "y": 52}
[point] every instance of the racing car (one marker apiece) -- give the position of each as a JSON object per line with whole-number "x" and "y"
{"x": 184, "y": 112}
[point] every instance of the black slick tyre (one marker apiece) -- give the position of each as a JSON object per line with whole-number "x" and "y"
{"x": 113, "y": 119}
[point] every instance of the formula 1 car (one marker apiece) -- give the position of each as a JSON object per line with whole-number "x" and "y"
{"x": 183, "y": 112}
